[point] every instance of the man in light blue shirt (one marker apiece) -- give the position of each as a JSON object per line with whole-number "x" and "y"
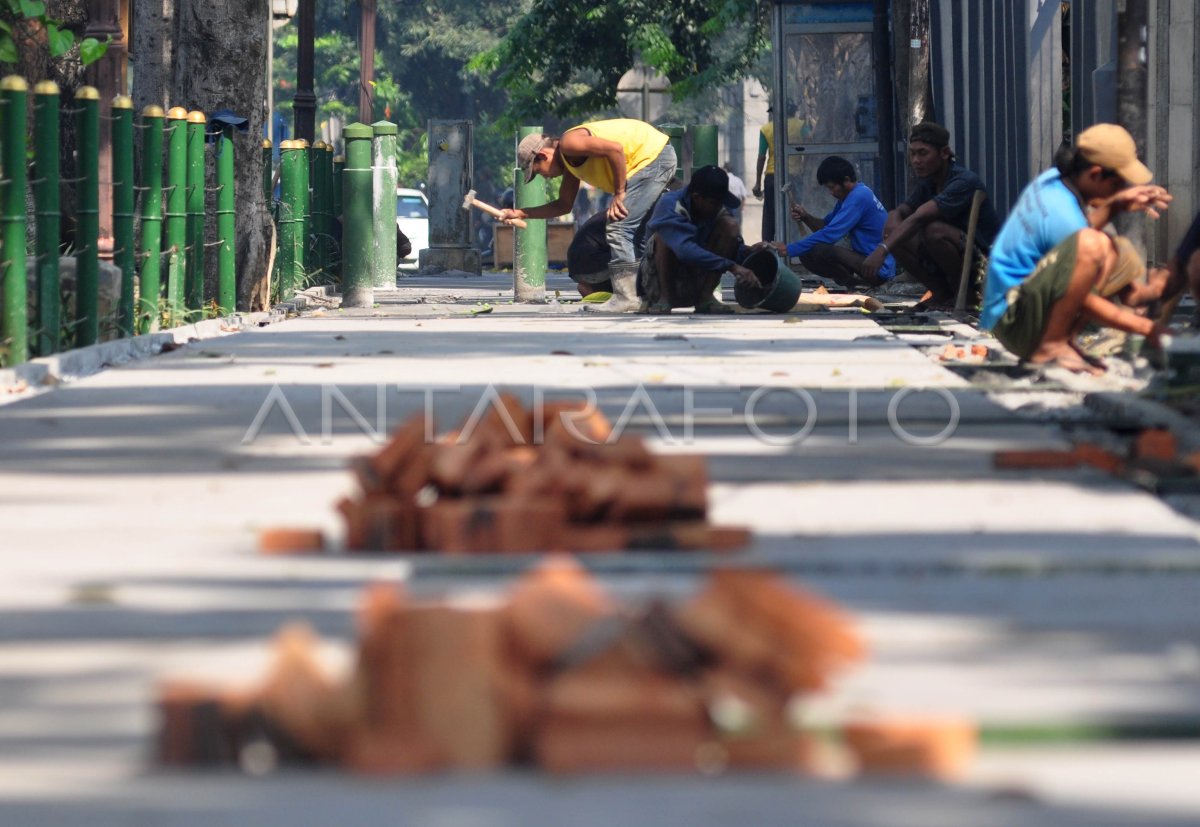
{"x": 857, "y": 214}
{"x": 1050, "y": 263}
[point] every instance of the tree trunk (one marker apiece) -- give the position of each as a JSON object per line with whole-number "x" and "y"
{"x": 208, "y": 55}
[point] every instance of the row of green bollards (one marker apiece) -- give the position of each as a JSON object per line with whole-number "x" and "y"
{"x": 317, "y": 189}
{"x": 173, "y": 219}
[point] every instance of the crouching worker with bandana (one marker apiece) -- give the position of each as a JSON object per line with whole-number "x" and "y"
{"x": 693, "y": 240}
{"x": 1073, "y": 284}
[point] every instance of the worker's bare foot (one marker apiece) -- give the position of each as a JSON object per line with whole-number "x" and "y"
{"x": 1094, "y": 361}
{"x": 1064, "y": 355}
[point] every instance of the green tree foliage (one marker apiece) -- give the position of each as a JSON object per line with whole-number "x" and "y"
{"x": 24, "y": 23}
{"x": 568, "y": 58}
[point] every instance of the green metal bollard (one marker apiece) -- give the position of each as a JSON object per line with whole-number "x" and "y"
{"x": 14, "y": 325}
{"x": 704, "y": 146}
{"x": 175, "y": 226}
{"x": 46, "y": 104}
{"x": 150, "y": 248}
{"x": 124, "y": 254}
{"x": 332, "y": 251}
{"x": 318, "y": 222}
{"x": 339, "y": 164}
{"x": 87, "y": 260}
{"x": 529, "y": 251}
{"x": 386, "y": 180}
{"x": 291, "y": 240}
{"x": 675, "y": 133}
{"x": 194, "y": 279}
{"x": 357, "y": 244}
{"x": 304, "y": 216}
{"x": 268, "y": 172}
{"x": 226, "y": 223}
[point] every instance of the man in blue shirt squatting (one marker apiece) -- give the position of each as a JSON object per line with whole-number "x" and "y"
{"x": 857, "y": 214}
{"x": 693, "y": 241}
{"x": 1052, "y": 269}
{"x": 927, "y": 233}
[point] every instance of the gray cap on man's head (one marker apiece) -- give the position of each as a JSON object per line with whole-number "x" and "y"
{"x": 527, "y": 150}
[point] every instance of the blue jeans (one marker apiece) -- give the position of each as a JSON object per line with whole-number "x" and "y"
{"x": 641, "y": 191}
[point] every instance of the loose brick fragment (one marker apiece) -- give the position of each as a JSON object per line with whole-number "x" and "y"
{"x": 1044, "y": 459}
{"x": 199, "y": 724}
{"x": 576, "y": 420}
{"x": 492, "y": 524}
{"x": 928, "y": 747}
{"x": 290, "y": 541}
{"x": 1156, "y": 444}
{"x": 753, "y": 622}
{"x": 550, "y": 608}
{"x": 1100, "y": 458}
{"x": 309, "y": 705}
{"x": 598, "y": 719}
{"x": 379, "y": 523}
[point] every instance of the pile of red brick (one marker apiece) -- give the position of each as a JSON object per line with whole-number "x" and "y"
{"x": 1153, "y": 451}
{"x": 521, "y": 481}
{"x": 555, "y": 674}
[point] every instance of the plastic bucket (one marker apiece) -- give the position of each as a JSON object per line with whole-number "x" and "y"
{"x": 778, "y": 289}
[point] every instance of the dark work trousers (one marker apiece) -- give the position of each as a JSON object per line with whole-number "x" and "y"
{"x": 768, "y": 218}
{"x": 841, "y": 264}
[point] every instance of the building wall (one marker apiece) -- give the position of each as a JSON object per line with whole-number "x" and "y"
{"x": 997, "y": 86}
{"x": 1173, "y": 115}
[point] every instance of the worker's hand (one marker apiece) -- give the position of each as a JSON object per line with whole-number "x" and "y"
{"x": 744, "y": 275}
{"x": 1155, "y": 337}
{"x": 1148, "y": 198}
{"x": 778, "y": 246}
{"x": 798, "y": 212}
{"x": 508, "y": 215}
{"x": 757, "y": 190}
{"x": 616, "y": 209}
{"x": 874, "y": 263}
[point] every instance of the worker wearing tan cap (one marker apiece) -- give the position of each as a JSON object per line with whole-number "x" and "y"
{"x": 629, "y": 159}
{"x": 1050, "y": 263}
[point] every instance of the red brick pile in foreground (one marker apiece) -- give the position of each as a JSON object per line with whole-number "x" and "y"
{"x": 516, "y": 481}
{"x": 555, "y": 675}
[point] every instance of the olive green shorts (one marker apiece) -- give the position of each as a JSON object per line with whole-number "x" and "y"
{"x": 1023, "y": 324}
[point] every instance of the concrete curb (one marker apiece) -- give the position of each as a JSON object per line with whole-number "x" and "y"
{"x": 48, "y": 371}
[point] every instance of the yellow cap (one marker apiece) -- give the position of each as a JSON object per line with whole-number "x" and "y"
{"x": 14, "y": 83}
{"x": 267, "y": 143}
{"x": 84, "y": 93}
{"x": 1111, "y": 147}
{"x": 153, "y": 111}
{"x": 122, "y": 102}
{"x": 196, "y": 117}
{"x": 319, "y": 145}
{"x": 45, "y": 87}
{"x": 177, "y": 113}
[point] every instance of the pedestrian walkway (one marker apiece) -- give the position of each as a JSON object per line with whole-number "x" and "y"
{"x": 1050, "y": 607}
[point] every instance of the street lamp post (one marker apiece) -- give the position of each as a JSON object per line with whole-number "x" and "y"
{"x": 305, "y": 104}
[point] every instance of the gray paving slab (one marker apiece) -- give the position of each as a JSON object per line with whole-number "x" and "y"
{"x": 131, "y": 499}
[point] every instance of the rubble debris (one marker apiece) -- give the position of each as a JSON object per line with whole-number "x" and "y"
{"x": 514, "y": 480}
{"x": 556, "y": 674}
{"x": 940, "y": 748}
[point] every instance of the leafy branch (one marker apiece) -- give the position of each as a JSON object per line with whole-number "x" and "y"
{"x": 27, "y": 20}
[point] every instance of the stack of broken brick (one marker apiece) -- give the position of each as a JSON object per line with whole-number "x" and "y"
{"x": 1154, "y": 454}
{"x": 555, "y": 675}
{"x": 515, "y": 480}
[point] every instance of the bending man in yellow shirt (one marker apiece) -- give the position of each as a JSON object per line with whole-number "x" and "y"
{"x": 627, "y": 158}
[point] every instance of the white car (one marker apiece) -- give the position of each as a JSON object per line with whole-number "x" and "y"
{"x": 412, "y": 219}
